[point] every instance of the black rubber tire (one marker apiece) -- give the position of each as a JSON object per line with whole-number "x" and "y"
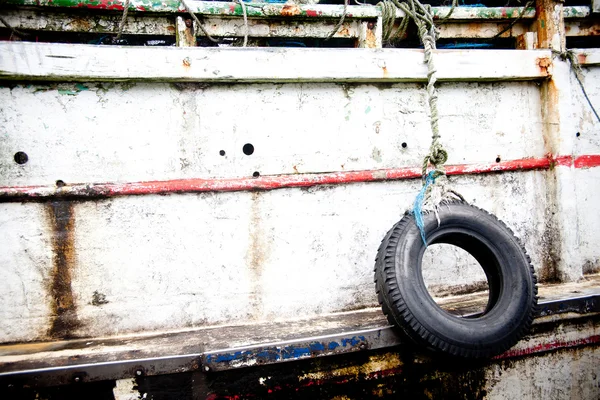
{"x": 407, "y": 304}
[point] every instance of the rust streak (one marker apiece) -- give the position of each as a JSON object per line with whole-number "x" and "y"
{"x": 545, "y": 64}
{"x": 64, "y": 310}
{"x": 371, "y": 39}
{"x": 290, "y": 10}
{"x": 385, "y": 72}
{"x": 257, "y": 254}
{"x": 344, "y": 31}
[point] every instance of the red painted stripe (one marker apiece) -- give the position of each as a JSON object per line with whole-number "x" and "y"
{"x": 281, "y": 181}
{"x": 587, "y": 161}
{"x": 544, "y": 347}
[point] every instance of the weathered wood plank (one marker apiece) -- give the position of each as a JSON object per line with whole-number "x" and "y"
{"x": 550, "y": 25}
{"x": 149, "y": 24}
{"x": 55, "y": 21}
{"x": 588, "y": 57}
{"x": 288, "y": 10}
{"x": 185, "y": 32}
{"x": 41, "y": 61}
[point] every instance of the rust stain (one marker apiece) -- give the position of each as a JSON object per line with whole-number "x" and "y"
{"x": 64, "y": 311}
{"x": 81, "y": 25}
{"x": 189, "y": 35}
{"x": 385, "y": 74}
{"x": 290, "y": 10}
{"x": 551, "y": 237}
{"x": 371, "y": 40}
{"x": 344, "y": 32}
{"x": 186, "y": 62}
{"x": 581, "y": 58}
{"x": 295, "y": 169}
{"x": 544, "y": 63}
{"x": 257, "y": 254}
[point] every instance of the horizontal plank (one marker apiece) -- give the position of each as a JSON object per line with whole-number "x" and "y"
{"x": 60, "y": 21}
{"x": 588, "y": 27}
{"x": 152, "y": 24}
{"x": 140, "y": 24}
{"x": 588, "y": 57}
{"x": 72, "y": 62}
{"x": 290, "y": 10}
{"x": 228, "y": 347}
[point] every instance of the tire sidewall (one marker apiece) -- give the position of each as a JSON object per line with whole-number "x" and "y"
{"x": 501, "y": 326}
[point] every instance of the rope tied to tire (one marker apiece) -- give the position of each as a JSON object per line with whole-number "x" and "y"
{"x": 431, "y": 195}
{"x": 399, "y": 283}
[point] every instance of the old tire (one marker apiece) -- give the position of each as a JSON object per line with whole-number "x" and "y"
{"x": 408, "y": 305}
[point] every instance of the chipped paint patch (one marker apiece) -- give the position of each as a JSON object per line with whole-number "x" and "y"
{"x": 279, "y": 353}
{"x": 72, "y": 91}
{"x": 290, "y": 10}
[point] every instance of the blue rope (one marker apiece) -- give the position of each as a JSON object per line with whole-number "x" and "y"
{"x": 418, "y": 207}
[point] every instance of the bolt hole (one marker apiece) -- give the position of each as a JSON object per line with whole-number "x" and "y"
{"x": 60, "y": 183}
{"x": 222, "y": 152}
{"x": 248, "y": 149}
{"x": 404, "y": 145}
{"x": 578, "y": 134}
{"x": 21, "y": 157}
{"x": 498, "y": 159}
{"x": 256, "y": 174}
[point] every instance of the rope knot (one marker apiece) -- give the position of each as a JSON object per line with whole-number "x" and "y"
{"x": 438, "y": 156}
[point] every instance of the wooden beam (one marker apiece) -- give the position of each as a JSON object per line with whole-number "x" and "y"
{"x": 185, "y": 32}
{"x": 287, "y": 10}
{"x": 151, "y": 24}
{"x": 144, "y": 24}
{"x": 588, "y": 57}
{"x": 70, "y": 62}
{"x": 550, "y": 25}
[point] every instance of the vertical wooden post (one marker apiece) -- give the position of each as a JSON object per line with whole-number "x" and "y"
{"x": 185, "y": 32}
{"x": 550, "y": 25}
{"x": 370, "y": 35}
{"x": 559, "y": 129}
{"x": 527, "y": 41}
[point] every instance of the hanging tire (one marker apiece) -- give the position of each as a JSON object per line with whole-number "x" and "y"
{"x": 408, "y": 305}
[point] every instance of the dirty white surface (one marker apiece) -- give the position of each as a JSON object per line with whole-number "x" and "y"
{"x": 569, "y": 374}
{"x": 25, "y": 264}
{"x": 189, "y": 260}
{"x": 240, "y": 257}
{"x": 104, "y": 132}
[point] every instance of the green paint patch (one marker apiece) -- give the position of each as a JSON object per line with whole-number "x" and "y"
{"x": 78, "y": 87}
{"x": 368, "y": 110}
